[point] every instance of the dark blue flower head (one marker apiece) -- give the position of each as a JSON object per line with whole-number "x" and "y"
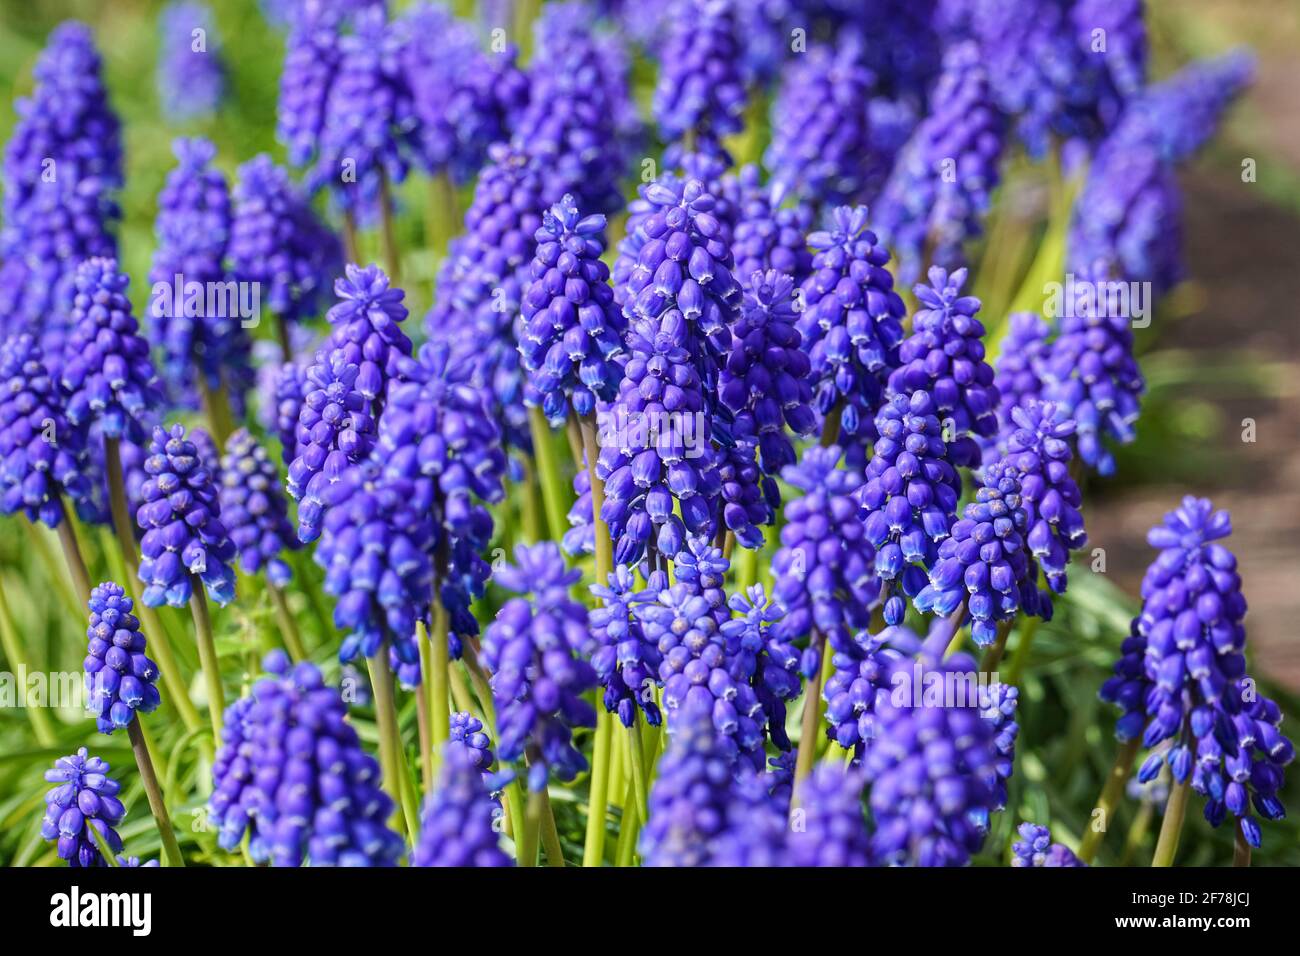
{"x": 852, "y": 319}
{"x": 909, "y": 501}
{"x": 829, "y": 826}
{"x": 1020, "y": 366}
{"x": 1090, "y": 370}
{"x": 180, "y": 514}
{"x": 253, "y": 508}
{"x": 758, "y": 646}
{"x": 107, "y": 372}
{"x": 945, "y": 356}
{"x": 700, "y": 92}
{"x": 193, "y": 232}
{"x": 1115, "y": 32}
{"x": 366, "y": 328}
{"x": 1035, "y": 848}
{"x": 984, "y": 561}
{"x": 292, "y": 775}
{"x": 277, "y": 241}
{"x": 42, "y": 457}
{"x": 625, "y": 660}
{"x": 998, "y": 705}
{"x": 768, "y": 234}
{"x": 467, "y": 733}
{"x": 460, "y": 826}
{"x": 863, "y": 669}
{"x": 311, "y": 62}
{"x": 572, "y": 329}
{"x": 86, "y": 796}
{"x": 120, "y": 680}
{"x": 1192, "y": 688}
{"x": 288, "y": 391}
{"x": 749, "y": 498}
{"x": 534, "y": 650}
{"x": 940, "y": 190}
{"x": 821, "y": 144}
{"x": 191, "y": 77}
{"x": 335, "y": 429}
{"x": 764, "y": 380}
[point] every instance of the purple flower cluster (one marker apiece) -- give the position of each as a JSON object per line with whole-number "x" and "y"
{"x": 180, "y": 514}
{"x": 1019, "y": 370}
{"x": 366, "y": 327}
{"x": 191, "y": 77}
{"x": 863, "y": 669}
{"x": 459, "y": 826}
{"x": 626, "y": 662}
{"x": 1035, "y": 848}
{"x": 831, "y": 827}
{"x": 700, "y": 95}
{"x": 85, "y": 797}
{"x": 291, "y": 773}
{"x": 768, "y": 234}
{"x": 120, "y": 679}
{"x": 253, "y": 508}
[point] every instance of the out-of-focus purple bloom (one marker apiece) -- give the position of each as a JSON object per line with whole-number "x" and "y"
{"x": 459, "y": 826}
{"x": 311, "y": 62}
{"x": 1021, "y": 357}
{"x": 253, "y": 508}
{"x": 1115, "y": 32}
{"x": 289, "y": 388}
{"x": 863, "y": 668}
{"x": 180, "y": 514}
{"x": 852, "y": 323}
{"x": 120, "y": 680}
{"x": 1035, "y": 848}
{"x": 191, "y": 77}
{"x": 768, "y": 235}
{"x": 86, "y": 796}
{"x": 831, "y": 829}
{"x": 41, "y": 456}
{"x": 700, "y": 92}
{"x": 534, "y": 651}
{"x": 107, "y": 372}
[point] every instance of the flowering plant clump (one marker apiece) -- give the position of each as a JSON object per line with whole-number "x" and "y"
{"x": 755, "y": 490}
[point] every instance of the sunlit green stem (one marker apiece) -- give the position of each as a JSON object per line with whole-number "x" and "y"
{"x": 72, "y": 552}
{"x": 381, "y": 680}
{"x": 40, "y": 720}
{"x": 157, "y": 805}
{"x": 1171, "y": 827}
{"x": 288, "y": 624}
{"x": 807, "y": 749}
{"x": 207, "y": 655}
{"x": 549, "y": 474}
{"x": 1108, "y": 800}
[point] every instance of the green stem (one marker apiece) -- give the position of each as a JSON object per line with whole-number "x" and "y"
{"x": 72, "y": 552}
{"x": 58, "y": 580}
{"x": 207, "y": 655}
{"x": 423, "y": 710}
{"x": 548, "y": 473}
{"x": 831, "y": 427}
{"x": 629, "y": 828}
{"x": 439, "y": 677}
{"x": 1108, "y": 800}
{"x": 529, "y": 506}
{"x": 993, "y": 656}
{"x": 1172, "y": 825}
{"x": 154, "y": 793}
{"x": 1240, "y": 848}
{"x": 216, "y": 409}
{"x": 288, "y": 626}
{"x": 593, "y": 849}
{"x": 105, "y": 850}
{"x": 550, "y": 835}
{"x": 1028, "y": 628}
{"x": 1137, "y": 832}
{"x": 381, "y": 680}
{"x": 807, "y": 750}
{"x": 40, "y": 720}
{"x": 636, "y": 762}
{"x": 351, "y": 248}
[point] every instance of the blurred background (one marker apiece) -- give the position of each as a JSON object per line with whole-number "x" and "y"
{"x": 1223, "y": 350}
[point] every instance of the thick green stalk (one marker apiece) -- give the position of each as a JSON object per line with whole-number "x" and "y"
{"x": 1172, "y": 825}
{"x": 628, "y": 830}
{"x": 288, "y": 625}
{"x": 381, "y": 680}
{"x": 593, "y": 849}
{"x": 831, "y": 427}
{"x": 440, "y": 665}
{"x": 1028, "y": 628}
{"x": 157, "y": 806}
{"x": 636, "y": 765}
{"x": 1111, "y": 791}
{"x": 216, "y": 409}
{"x": 351, "y": 247}
{"x": 207, "y": 655}
{"x": 40, "y": 720}
{"x": 549, "y": 474}
{"x": 423, "y": 709}
{"x": 812, "y": 701}
{"x": 72, "y": 552}
{"x": 550, "y": 835}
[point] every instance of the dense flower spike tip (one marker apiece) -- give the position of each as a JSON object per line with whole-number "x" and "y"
{"x": 700, "y": 93}
{"x": 191, "y": 76}
{"x": 468, "y": 735}
{"x": 460, "y": 823}
{"x": 253, "y": 508}
{"x": 626, "y": 662}
{"x": 852, "y": 322}
{"x": 41, "y": 455}
{"x": 768, "y": 234}
{"x": 1182, "y": 675}
{"x": 932, "y": 770}
{"x": 335, "y": 429}
{"x": 829, "y": 827}
{"x": 292, "y": 775}
{"x": 984, "y": 560}
{"x": 120, "y": 679}
{"x": 86, "y": 796}
{"x": 180, "y": 514}
{"x": 1035, "y": 848}
{"x": 534, "y": 651}
{"x": 821, "y": 143}
{"x": 107, "y": 372}
{"x": 939, "y": 192}
{"x": 764, "y": 380}
{"x": 366, "y": 327}
{"x": 277, "y": 241}
{"x": 311, "y": 61}
{"x": 945, "y": 355}
{"x": 909, "y": 501}
{"x": 572, "y": 330}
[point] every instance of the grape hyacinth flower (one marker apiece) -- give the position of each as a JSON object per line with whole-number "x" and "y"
{"x": 1121, "y": 27}
{"x": 821, "y": 143}
{"x": 191, "y": 76}
{"x": 1019, "y": 368}
{"x": 366, "y": 328}
{"x": 184, "y": 536}
{"x": 311, "y": 62}
{"x": 459, "y": 825}
{"x": 944, "y": 355}
{"x": 764, "y": 380}
{"x": 626, "y": 662}
{"x": 277, "y": 241}
{"x": 572, "y": 330}
{"x": 1035, "y": 848}
{"x": 291, "y": 773}
{"x": 748, "y": 498}
{"x": 862, "y": 670}
{"x": 1183, "y": 676}
{"x": 767, "y": 234}
{"x": 107, "y": 372}
{"x": 831, "y": 826}
{"x": 700, "y": 95}
{"x": 998, "y": 705}
{"x": 335, "y": 429}
{"x": 86, "y": 796}
{"x": 852, "y": 323}
{"x": 288, "y": 392}
{"x": 468, "y": 735}
{"x": 1091, "y": 372}
{"x": 253, "y": 509}
{"x": 909, "y": 500}
{"x": 120, "y": 680}
{"x": 757, "y": 644}
{"x": 931, "y": 768}
{"x": 939, "y": 192}
{"x": 42, "y": 458}
{"x": 984, "y": 561}
{"x": 534, "y": 651}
